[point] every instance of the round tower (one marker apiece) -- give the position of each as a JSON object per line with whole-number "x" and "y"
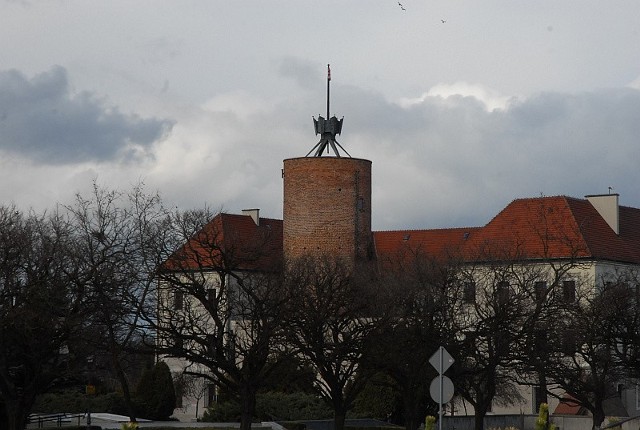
{"x": 327, "y": 200}
{"x": 327, "y": 208}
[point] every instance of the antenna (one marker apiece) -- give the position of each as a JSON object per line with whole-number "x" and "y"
{"x": 327, "y": 128}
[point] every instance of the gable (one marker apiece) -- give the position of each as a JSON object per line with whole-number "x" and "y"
{"x": 231, "y": 242}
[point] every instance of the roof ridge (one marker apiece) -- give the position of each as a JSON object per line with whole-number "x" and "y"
{"x": 408, "y": 230}
{"x": 579, "y": 225}
{"x": 533, "y": 199}
{"x": 227, "y": 214}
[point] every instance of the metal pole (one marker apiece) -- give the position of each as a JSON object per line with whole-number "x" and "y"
{"x": 441, "y": 389}
{"x": 328, "y": 82}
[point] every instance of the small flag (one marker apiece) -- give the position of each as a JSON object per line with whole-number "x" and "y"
{"x": 328, "y": 72}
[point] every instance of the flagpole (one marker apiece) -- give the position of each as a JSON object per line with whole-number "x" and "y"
{"x": 328, "y": 81}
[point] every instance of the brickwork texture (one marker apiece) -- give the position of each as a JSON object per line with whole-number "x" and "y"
{"x": 327, "y": 207}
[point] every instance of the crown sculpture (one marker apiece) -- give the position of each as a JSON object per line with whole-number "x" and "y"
{"x": 327, "y": 129}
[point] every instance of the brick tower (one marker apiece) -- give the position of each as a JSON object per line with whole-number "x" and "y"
{"x": 327, "y": 200}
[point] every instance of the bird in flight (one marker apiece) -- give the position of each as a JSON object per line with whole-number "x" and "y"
{"x": 443, "y": 21}
{"x": 401, "y": 7}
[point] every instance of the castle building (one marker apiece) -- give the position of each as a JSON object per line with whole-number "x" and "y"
{"x": 327, "y": 211}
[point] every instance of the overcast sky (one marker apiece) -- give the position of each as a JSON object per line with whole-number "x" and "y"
{"x": 202, "y": 100}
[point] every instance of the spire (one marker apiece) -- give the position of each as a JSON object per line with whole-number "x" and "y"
{"x": 327, "y": 128}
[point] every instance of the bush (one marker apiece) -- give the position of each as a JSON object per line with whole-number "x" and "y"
{"x": 612, "y": 422}
{"x": 74, "y": 401}
{"x": 272, "y": 406}
{"x": 430, "y": 423}
{"x": 542, "y": 422}
{"x": 155, "y": 394}
{"x": 228, "y": 411}
{"x": 291, "y": 407}
{"x": 377, "y": 400}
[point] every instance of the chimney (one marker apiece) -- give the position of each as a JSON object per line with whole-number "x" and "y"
{"x": 253, "y": 213}
{"x": 607, "y": 207}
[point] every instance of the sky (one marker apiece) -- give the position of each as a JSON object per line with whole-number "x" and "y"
{"x": 461, "y": 105}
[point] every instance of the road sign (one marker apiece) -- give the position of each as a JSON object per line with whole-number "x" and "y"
{"x": 447, "y": 389}
{"x": 441, "y": 360}
{"x": 441, "y": 388}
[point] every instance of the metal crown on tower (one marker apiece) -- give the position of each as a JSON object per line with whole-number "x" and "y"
{"x": 327, "y": 129}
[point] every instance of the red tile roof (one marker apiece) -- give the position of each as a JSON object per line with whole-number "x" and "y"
{"x": 557, "y": 227}
{"x": 394, "y": 246}
{"x": 535, "y": 228}
{"x": 568, "y": 406}
{"x": 233, "y": 242}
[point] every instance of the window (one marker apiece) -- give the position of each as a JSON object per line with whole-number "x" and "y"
{"x": 178, "y": 343}
{"x": 501, "y": 343}
{"x": 538, "y": 398}
{"x": 211, "y": 394}
{"x": 178, "y": 386}
{"x": 569, "y": 341}
{"x": 469, "y": 292}
{"x": 502, "y": 292}
{"x": 212, "y": 296}
{"x": 178, "y": 300}
{"x": 540, "y": 289}
{"x": 569, "y": 291}
{"x": 211, "y": 345}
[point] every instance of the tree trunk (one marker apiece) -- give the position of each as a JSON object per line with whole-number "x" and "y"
{"x": 17, "y": 414}
{"x": 480, "y": 413}
{"x": 248, "y": 402}
{"x": 542, "y": 389}
{"x": 412, "y": 411}
{"x": 124, "y": 384}
{"x": 339, "y": 417}
{"x": 478, "y": 421}
{"x": 411, "y": 422}
{"x": 598, "y": 415}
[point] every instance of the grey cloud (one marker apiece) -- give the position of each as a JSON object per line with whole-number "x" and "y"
{"x": 450, "y": 162}
{"x": 160, "y": 49}
{"x": 41, "y": 119}
{"x": 463, "y": 156}
{"x": 304, "y": 73}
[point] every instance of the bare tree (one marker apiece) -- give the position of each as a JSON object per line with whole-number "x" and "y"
{"x": 496, "y": 308}
{"x": 624, "y": 285}
{"x": 538, "y": 318}
{"x": 332, "y": 316}
{"x": 119, "y": 237}
{"x": 583, "y": 361}
{"x": 417, "y": 287}
{"x": 220, "y": 302}
{"x": 489, "y": 316}
{"x": 194, "y": 386}
{"x": 40, "y": 308}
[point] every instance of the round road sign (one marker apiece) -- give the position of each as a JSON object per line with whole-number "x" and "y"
{"x": 447, "y": 389}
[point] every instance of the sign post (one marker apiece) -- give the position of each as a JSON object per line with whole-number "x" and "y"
{"x": 441, "y": 388}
